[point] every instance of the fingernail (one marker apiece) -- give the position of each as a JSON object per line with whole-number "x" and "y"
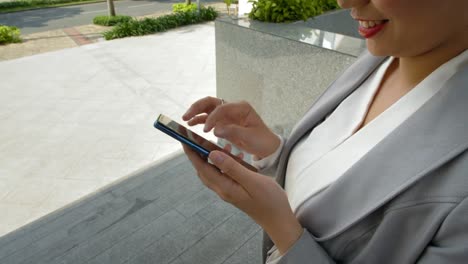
{"x": 217, "y": 157}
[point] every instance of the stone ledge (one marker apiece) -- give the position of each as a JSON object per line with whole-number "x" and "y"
{"x": 279, "y": 68}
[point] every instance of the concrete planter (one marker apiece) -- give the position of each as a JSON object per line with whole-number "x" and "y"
{"x": 280, "y": 68}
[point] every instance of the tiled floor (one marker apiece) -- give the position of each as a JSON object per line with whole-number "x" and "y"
{"x": 75, "y": 120}
{"x": 161, "y": 214}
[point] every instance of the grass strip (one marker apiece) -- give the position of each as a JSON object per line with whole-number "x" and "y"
{"x": 111, "y": 20}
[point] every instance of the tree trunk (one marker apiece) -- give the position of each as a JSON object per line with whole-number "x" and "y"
{"x": 188, "y": 2}
{"x": 110, "y": 5}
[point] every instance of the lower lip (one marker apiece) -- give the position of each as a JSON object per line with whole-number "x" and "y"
{"x": 370, "y": 32}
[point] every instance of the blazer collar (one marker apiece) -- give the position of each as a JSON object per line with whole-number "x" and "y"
{"x": 428, "y": 139}
{"x": 349, "y": 81}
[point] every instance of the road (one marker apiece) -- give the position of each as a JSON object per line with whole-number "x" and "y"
{"x": 39, "y": 20}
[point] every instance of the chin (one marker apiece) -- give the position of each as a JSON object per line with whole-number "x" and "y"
{"x": 378, "y": 50}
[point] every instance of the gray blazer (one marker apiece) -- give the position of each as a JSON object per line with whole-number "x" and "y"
{"x": 403, "y": 202}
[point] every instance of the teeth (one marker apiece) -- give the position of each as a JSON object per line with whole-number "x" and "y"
{"x": 370, "y": 24}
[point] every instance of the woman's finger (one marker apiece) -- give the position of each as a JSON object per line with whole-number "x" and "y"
{"x": 233, "y": 169}
{"x": 234, "y": 113}
{"x": 233, "y": 133}
{"x": 209, "y": 172}
{"x": 211, "y": 177}
{"x": 200, "y": 119}
{"x": 228, "y": 148}
{"x": 204, "y": 105}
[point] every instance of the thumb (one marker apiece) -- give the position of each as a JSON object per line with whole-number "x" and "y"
{"x": 231, "y": 167}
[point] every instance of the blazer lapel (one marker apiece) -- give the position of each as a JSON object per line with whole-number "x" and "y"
{"x": 432, "y": 136}
{"x": 329, "y": 100}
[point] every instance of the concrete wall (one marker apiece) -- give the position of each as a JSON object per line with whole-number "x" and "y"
{"x": 279, "y": 68}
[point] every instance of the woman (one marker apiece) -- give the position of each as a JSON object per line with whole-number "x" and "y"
{"x": 377, "y": 170}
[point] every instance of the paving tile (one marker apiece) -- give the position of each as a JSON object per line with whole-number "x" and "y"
{"x": 14, "y": 216}
{"x": 30, "y": 192}
{"x": 60, "y": 241}
{"x": 175, "y": 190}
{"x": 11, "y": 100}
{"x": 6, "y": 113}
{"x": 110, "y": 148}
{"x": 175, "y": 243}
{"x": 93, "y": 167}
{"x": 45, "y": 166}
{"x": 13, "y": 167}
{"x": 141, "y": 213}
{"x": 177, "y": 261}
{"x": 5, "y": 187}
{"x": 250, "y": 252}
{"x": 143, "y": 148}
{"x": 24, "y": 237}
{"x": 166, "y": 148}
{"x": 217, "y": 212}
{"x": 68, "y": 190}
{"x": 136, "y": 243}
{"x": 48, "y": 208}
{"x": 222, "y": 242}
{"x": 196, "y": 203}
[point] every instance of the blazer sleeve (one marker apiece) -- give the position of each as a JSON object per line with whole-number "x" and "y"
{"x": 450, "y": 244}
{"x": 305, "y": 250}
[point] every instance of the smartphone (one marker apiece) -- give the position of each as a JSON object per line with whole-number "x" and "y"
{"x": 191, "y": 139}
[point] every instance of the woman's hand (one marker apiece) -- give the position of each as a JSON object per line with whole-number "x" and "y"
{"x": 236, "y": 122}
{"x": 258, "y": 196}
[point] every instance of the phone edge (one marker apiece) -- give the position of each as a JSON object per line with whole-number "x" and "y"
{"x": 181, "y": 139}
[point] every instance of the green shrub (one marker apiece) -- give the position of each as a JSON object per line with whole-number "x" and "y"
{"x": 9, "y": 34}
{"x": 289, "y": 10}
{"x": 328, "y": 5}
{"x": 160, "y": 24}
{"x": 183, "y": 7}
{"x": 111, "y": 20}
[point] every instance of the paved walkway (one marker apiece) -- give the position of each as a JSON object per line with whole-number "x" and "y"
{"x": 74, "y": 120}
{"x": 161, "y": 214}
{"x": 52, "y": 41}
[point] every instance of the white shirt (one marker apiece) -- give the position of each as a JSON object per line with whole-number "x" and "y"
{"x": 331, "y": 148}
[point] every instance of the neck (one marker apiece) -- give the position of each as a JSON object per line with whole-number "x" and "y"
{"x": 412, "y": 70}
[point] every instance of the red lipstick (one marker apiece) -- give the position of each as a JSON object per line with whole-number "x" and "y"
{"x": 369, "y": 32}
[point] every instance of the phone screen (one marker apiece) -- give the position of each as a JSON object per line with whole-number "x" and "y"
{"x": 190, "y": 138}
